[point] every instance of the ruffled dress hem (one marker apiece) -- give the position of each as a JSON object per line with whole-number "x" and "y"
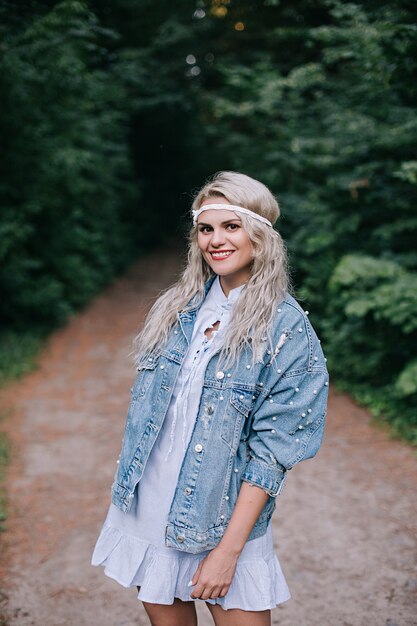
{"x": 258, "y": 583}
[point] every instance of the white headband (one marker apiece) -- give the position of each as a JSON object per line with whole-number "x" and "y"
{"x": 229, "y": 207}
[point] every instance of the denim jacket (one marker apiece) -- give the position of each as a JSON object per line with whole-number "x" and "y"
{"x": 254, "y": 423}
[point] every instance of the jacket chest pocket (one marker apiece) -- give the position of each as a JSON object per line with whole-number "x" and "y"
{"x": 237, "y": 411}
{"x": 145, "y": 375}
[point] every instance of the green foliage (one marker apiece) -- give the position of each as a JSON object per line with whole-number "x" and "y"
{"x": 67, "y": 186}
{"x": 371, "y": 330}
{"x": 406, "y": 384}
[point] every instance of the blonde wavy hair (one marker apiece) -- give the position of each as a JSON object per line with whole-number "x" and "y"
{"x": 253, "y": 313}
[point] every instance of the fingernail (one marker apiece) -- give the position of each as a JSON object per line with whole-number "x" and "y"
{"x": 190, "y": 583}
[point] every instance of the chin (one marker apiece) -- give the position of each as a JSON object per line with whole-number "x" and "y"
{"x": 223, "y": 272}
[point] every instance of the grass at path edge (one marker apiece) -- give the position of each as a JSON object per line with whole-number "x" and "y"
{"x": 4, "y": 458}
{"x": 18, "y": 356}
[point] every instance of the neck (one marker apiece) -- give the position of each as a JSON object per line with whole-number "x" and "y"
{"x": 228, "y": 283}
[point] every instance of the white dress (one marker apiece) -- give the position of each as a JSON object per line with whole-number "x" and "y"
{"x": 131, "y": 545}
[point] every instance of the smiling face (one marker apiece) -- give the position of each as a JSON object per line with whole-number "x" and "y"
{"x": 225, "y": 244}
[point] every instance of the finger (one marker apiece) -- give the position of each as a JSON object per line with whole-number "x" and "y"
{"x": 197, "y": 591}
{"x": 215, "y": 593}
{"x": 206, "y": 593}
{"x": 224, "y": 591}
{"x": 197, "y": 573}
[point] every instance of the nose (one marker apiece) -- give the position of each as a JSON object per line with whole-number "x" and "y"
{"x": 217, "y": 237}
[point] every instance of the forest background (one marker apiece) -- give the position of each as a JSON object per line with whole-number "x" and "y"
{"x": 114, "y": 112}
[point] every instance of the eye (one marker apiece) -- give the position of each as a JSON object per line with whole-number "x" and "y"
{"x": 233, "y": 226}
{"x": 204, "y": 229}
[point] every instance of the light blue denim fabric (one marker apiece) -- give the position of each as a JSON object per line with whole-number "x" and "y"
{"x": 254, "y": 424}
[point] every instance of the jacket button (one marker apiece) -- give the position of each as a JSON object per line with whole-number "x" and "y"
{"x": 220, "y": 375}
{"x": 180, "y": 538}
{"x": 198, "y": 447}
{"x": 210, "y": 410}
{"x": 187, "y": 490}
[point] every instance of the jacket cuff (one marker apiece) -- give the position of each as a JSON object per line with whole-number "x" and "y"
{"x": 270, "y": 478}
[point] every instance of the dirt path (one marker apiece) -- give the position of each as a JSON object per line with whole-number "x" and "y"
{"x": 345, "y": 527}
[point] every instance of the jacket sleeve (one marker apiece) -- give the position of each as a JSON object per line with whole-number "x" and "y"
{"x": 287, "y": 427}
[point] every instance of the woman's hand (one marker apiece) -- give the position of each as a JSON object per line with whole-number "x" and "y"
{"x": 214, "y": 574}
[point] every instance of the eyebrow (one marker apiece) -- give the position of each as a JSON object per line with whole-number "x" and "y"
{"x": 234, "y": 219}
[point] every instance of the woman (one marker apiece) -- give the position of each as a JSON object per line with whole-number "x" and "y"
{"x": 231, "y": 392}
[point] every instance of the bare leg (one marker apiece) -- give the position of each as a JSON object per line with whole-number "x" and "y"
{"x": 178, "y": 614}
{"x": 237, "y": 617}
